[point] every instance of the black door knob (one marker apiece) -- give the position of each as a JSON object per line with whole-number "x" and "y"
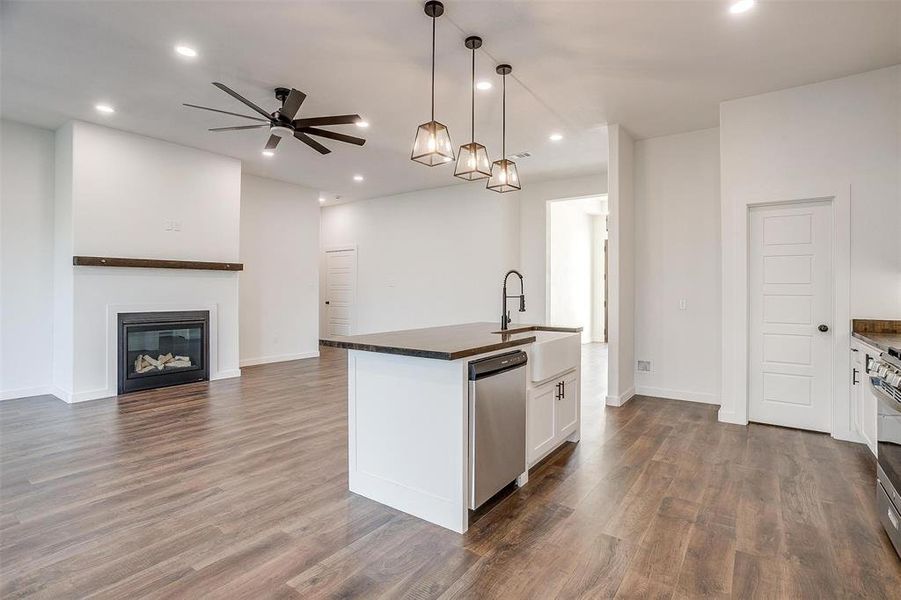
{"x": 823, "y": 327}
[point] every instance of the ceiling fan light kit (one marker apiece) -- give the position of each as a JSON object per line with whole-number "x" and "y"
{"x": 504, "y": 177}
{"x": 432, "y": 144}
{"x": 282, "y": 124}
{"x": 472, "y": 158}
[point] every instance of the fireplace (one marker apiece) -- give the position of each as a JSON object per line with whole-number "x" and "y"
{"x": 158, "y": 349}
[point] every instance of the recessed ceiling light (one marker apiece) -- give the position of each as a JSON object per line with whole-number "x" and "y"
{"x": 362, "y": 124}
{"x": 741, "y": 6}
{"x": 555, "y": 137}
{"x": 268, "y": 152}
{"x": 484, "y": 85}
{"x": 186, "y": 51}
{"x": 358, "y": 178}
{"x": 105, "y": 108}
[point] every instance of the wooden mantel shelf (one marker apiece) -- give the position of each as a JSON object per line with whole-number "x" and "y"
{"x": 154, "y": 263}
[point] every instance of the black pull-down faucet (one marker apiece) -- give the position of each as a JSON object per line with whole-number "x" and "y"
{"x": 505, "y": 314}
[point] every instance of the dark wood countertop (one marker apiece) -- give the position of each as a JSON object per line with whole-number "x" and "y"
{"x": 882, "y": 341}
{"x": 444, "y": 343}
{"x": 879, "y": 333}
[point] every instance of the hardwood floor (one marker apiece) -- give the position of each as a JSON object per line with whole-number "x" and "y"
{"x": 237, "y": 489}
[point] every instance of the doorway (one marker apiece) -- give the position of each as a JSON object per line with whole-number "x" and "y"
{"x": 340, "y": 290}
{"x": 790, "y": 301}
{"x": 576, "y": 278}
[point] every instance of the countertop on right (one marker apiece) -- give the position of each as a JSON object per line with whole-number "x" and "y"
{"x": 879, "y": 333}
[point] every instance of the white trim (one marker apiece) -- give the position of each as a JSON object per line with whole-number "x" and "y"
{"x": 671, "y": 394}
{"x": 26, "y": 392}
{"x": 735, "y": 335}
{"x": 225, "y": 374}
{"x": 622, "y": 398}
{"x": 265, "y": 360}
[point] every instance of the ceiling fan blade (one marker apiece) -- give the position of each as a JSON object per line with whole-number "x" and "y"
{"x": 224, "y": 112}
{"x": 292, "y": 104}
{"x": 237, "y": 128}
{"x": 349, "y": 139}
{"x": 241, "y": 98}
{"x": 273, "y": 142}
{"x": 311, "y": 142}
{"x": 334, "y": 120}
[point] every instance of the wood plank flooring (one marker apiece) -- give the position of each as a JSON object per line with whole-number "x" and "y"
{"x": 238, "y": 489}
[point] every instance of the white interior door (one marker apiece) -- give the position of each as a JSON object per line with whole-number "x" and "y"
{"x": 341, "y": 290}
{"x": 790, "y": 303}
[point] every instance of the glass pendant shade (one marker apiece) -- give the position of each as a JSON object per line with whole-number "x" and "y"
{"x": 504, "y": 177}
{"x": 473, "y": 162}
{"x": 432, "y": 145}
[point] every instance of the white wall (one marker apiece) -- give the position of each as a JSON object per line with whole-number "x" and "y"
{"x": 26, "y": 259}
{"x": 115, "y": 192}
{"x": 677, "y": 247}
{"x": 571, "y": 269}
{"x": 817, "y": 139}
{"x": 131, "y": 187}
{"x": 435, "y": 257}
{"x": 279, "y": 297}
{"x": 621, "y": 279}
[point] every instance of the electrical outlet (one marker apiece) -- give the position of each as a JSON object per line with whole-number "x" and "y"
{"x": 644, "y": 366}
{"x": 682, "y": 303}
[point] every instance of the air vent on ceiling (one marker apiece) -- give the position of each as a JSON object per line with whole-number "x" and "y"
{"x": 521, "y": 155}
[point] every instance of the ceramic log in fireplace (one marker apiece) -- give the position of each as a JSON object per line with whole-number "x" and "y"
{"x": 158, "y": 349}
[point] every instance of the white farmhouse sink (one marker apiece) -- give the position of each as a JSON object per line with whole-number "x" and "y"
{"x": 554, "y": 352}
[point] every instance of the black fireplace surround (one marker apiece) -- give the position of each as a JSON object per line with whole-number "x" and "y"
{"x": 158, "y": 349}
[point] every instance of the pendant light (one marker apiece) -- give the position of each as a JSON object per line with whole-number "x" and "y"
{"x": 432, "y": 145}
{"x": 472, "y": 159}
{"x": 504, "y": 177}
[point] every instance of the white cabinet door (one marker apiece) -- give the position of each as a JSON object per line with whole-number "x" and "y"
{"x": 542, "y": 428}
{"x": 567, "y": 409}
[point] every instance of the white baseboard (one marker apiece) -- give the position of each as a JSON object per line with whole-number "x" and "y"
{"x": 90, "y": 395}
{"x": 730, "y": 417}
{"x": 671, "y": 394}
{"x": 225, "y": 374}
{"x": 26, "y": 392}
{"x": 263, "y": 360}
{"x": 622, "y": 398}
{"x": 110, "y": 393}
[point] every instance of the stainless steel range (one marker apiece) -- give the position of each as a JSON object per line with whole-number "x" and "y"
{"x": 885, "y": 377}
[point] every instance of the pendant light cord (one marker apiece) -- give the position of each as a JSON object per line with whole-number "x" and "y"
{"x": 472, "y": 128}
{"x": 433, "y": 68}
{"x": 504, "y": 122}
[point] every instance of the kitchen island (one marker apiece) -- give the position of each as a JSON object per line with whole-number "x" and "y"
{"x": 408, "y": 409}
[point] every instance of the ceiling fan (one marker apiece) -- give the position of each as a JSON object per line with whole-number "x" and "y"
{"x": 282, "y": 123}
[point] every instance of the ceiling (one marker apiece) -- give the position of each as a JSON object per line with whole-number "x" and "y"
{"x": 655, "y": 67}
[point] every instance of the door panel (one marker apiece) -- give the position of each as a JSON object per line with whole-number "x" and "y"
{"x": 542, "y": 428}
{"x": 790, "y": 294}
{"x": 341, "y": 280}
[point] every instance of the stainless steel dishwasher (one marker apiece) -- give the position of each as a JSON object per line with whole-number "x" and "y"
{"x": 497, "y": 424}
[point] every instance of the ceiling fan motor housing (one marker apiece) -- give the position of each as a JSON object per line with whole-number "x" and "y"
{"x": 281, "y": 131}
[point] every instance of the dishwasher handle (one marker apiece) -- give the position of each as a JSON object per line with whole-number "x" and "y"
{"x": 495, "y": 365}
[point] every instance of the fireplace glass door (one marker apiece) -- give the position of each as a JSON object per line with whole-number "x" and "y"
{"x": 166, "y": 351}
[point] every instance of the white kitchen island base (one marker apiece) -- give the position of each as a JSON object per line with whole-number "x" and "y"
{"x": 408, "y": 411}
{"x": 407, "y": 434}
